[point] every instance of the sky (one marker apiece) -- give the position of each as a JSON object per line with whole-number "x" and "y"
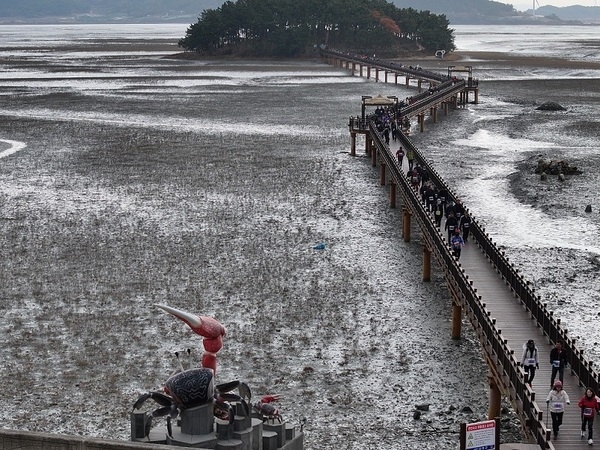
{"x": 523, "y": 5}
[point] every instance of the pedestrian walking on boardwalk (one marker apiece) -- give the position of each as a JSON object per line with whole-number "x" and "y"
{"x": 557, "y": 399}
{"x": 589, "y": 407}
{"x": 465, "y": 226}
{"x": 400, "y": 156}
{"x": 558, "y": 360}
{"x": 457, "y": 243}
{"x": 530, "y": 359}
{"x": 451, "y": 225}
{"x": 437, "y": 214}
{"x": 410, "y": 157}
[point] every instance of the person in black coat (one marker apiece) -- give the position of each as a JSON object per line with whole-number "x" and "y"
{"x": 459, "y": 209}
{"x": 449, "y": 208}
{"x": 430, "y": 197}
{"x": 443, "y": 196}
{"x": 558, "y": 360}
{"x": 450, "y": 226}
{"x": 465, "y": 226}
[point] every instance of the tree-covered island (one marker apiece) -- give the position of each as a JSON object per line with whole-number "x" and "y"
{"x": 292, "y": 28}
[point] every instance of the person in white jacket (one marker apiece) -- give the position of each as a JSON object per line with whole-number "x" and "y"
{"x": 557, "y": 399}
{"x": 530, "y": 360}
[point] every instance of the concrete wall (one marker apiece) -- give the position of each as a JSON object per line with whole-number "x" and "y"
{"x": 29, "y": 440}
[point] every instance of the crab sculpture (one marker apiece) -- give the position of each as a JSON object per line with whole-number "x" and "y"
{"x": 194, "y": 387}
{"x": 266, "y": 410}
{"x": 191, "y": 388}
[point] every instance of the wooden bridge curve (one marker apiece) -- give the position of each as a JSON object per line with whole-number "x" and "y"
{"x": 498, "y": 301}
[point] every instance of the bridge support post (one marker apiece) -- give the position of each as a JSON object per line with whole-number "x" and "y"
{"x": 434, "y": 113}
{"x": 373, "y": 156}
{"x": 421, "y": 119}
{"x": 368, "y": 72}
{"x": 407, "y": 81}
{"x": 456, "y": 320}
{"x": 368, "y": 145}
{"x": 445, "y": 108}
{"x": 495, "y": 399}
{"x": 382, "y": 173}
{"x": 392, "y": 194}
{"x": 419, "y": 84}
{"x": 361, "y": 67}
{"x": 385, "y": 76}
{"x": 406, "y": 224}
{"x": 376, "y": 74}
{"x": 352, "y": 144}
{"x": 426, "y": 264}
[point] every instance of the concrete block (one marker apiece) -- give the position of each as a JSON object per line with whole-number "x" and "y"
{"x": 257, "y": 431}
{"x": 229, "y": 445}
{"x": 246, "y": 437}
{"x": 269, "y": 440}
{"x": 180, "y": 439}
{"x": 278, "y": 428}
{"x": 198, "y": 421}
{"x": 242, "y": 421}
{"x": 138, "y": 425}
{"x": 290, "y": 432}
{"x": 224, "y": 429}
{"x": 295, "y": 444}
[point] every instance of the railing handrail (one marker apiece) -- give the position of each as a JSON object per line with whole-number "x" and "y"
{"x": 386, "y": 65}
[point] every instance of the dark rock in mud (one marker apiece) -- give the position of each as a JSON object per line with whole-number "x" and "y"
{"x": 556, "y": 167}
{"x": 588, "y": 209}
{"x": 551, "y": 106}
{"x": 423, "y": 407}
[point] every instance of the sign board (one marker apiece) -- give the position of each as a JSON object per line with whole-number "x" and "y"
{"x": 481, "y": 435}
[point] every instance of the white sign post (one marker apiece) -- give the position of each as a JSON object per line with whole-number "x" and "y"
{"x": 480, "y": 436}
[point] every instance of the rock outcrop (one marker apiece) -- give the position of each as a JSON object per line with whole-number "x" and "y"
{"x": 556, "y": 167}
{"x": 551, "y": 106}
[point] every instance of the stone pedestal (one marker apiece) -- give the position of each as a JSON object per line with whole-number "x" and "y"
{"x": 138, "y": 425}
{"x": 187, "y": 440}
{"x": 198, "y": 428}
{"x": 278, "y": 428}
{"x": 290, "y": 432}
{"x": 269, "y": 440}
{"x": 257, "y": 430}
{"x": 245, "y": 436}
{"x": 224, "y": 429}
{"x": 229, "y": 445}
{"x": 198, "y": 420}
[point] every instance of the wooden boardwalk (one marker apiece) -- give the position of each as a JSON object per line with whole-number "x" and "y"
{"x": 501, "y": 305}
{"x": 518, "y": 326}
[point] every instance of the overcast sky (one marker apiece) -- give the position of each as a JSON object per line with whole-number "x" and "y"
{"x": 523, "y": 5}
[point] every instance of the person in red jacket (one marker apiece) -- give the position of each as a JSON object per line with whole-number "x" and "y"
{"x": 589, "y": 407}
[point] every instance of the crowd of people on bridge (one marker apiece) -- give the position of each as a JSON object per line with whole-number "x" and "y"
{"x": 437, "y": 201}
{"x": 457, "y": 225}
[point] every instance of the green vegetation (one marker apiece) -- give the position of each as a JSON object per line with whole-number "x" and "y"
{"x": 288, "y": 28}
